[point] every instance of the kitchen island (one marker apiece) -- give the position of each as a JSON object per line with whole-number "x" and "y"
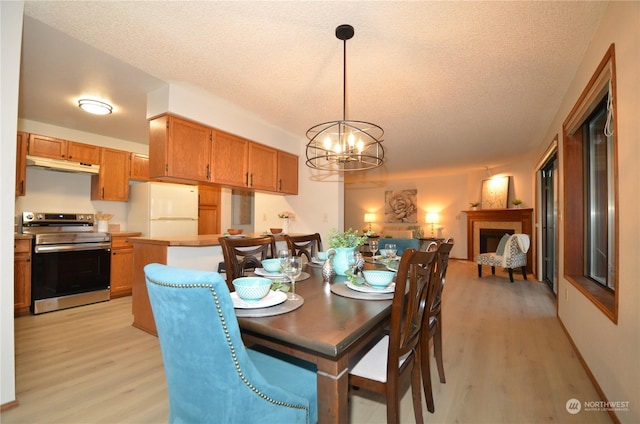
{"x": 201, "y": 252}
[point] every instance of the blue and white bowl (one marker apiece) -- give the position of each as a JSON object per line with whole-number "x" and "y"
{"x": 378, "y": 279}
{"x": 271, "y": 265}
{"x": 252, "y": 289}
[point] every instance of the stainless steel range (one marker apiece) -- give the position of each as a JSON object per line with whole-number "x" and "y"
{"x": 70, "y": 262}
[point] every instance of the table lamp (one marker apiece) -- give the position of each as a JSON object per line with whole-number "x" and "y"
{"x": 432, "y": 219}
{"x": 369, "y": 218}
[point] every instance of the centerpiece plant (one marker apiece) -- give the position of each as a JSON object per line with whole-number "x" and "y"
{"x": 344, "y": 243}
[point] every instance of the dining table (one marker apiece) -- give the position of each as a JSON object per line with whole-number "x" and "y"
{"x": 326, "y": 329}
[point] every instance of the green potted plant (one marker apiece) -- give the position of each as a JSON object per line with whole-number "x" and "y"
{"x": 344, "y": 243}
{"x": 517, "y": 203}
{"x": 474, "y": 205}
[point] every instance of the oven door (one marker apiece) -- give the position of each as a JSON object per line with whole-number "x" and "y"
{"x": 62, "y": 278}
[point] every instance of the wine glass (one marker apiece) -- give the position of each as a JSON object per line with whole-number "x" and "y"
{"x": 391, "y": 250}
{"x": 292, "y": 268}
{"x": 283, "y": 255}
{"x": 373, "y": 248}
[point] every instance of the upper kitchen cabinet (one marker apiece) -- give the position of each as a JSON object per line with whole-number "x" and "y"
{"x": 238, "y": 162}
{"x": 179, "y": 150}
{"x": 287, "y": 173}
{"x": 112, "y": 183}
{"x": 56, "y": 148}
{"x": 21, "y": 163}
{"x": 139, "y": 167}
{"x": 208, "y": 209}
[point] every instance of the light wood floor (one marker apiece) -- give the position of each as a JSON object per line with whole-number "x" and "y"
{"x": 506, "y": 358}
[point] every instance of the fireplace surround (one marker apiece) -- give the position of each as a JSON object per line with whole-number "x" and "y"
{"x": 499, "y": 220}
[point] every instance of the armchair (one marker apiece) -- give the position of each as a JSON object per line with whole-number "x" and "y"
{"x": 511, "y": 253}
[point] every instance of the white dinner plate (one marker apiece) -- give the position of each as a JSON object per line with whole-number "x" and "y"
{"x": 264, "y": 273}
{"x": 272, "y": 299}
{"x": 365, "y": 288}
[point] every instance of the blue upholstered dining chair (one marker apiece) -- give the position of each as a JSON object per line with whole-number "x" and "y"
{"x": 211, "y": 376}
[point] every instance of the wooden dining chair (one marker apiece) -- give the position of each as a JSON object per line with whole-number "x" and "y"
{"x": 308, "y": 245}
{"x": 245, "y": 253}
{"x": 432, "y": 322}
{"x": 385, "y": 368}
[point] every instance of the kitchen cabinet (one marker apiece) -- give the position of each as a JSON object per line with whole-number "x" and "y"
{"x": 287, "y": 173}
{"x": 139, "y": 167}
{"x": 208, "y": 209}
{"x": 21, "y": 163}
{"x": 56, "y": 148}
{"x": 21, "y": 276}
{"x": 121, "y": 264}
{"x": 112, "y": 183}
{"x": 179, "y": 150}
{"x": 241, "y": 163}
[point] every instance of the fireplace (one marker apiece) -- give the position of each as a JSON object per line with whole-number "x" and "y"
{"x": 490, "y": 238}
{"x": 497, "y": 222}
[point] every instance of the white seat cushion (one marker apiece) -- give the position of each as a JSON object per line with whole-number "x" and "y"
{"x": 373, "y": 364}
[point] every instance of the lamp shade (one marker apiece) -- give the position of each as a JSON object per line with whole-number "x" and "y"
{"x": 432, "y": 218}
{"x": 369, "y": 217}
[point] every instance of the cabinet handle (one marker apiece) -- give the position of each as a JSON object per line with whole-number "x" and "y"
{"x": 208, "y": 173}
{"x": 280, "y": 184}
{"x": 251, "y": 185}
{"x": 103, "y": 192}
{"x": 70, "y": 157}
{"x": 246, "y": 179}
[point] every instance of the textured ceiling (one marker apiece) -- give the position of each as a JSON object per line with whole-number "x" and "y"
{"x": 455, "y": 85}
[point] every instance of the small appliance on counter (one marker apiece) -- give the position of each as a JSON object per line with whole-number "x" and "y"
{"x": 71, "y": 264}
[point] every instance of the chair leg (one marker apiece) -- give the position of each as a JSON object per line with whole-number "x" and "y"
{"x": 493, "y": 270}
{"x": 510, "y": 274}
{"x": 524, "y": 272}
{"x": 426, "y": 372}
{"x": 393, "y": 405}
{"x": 416, "y": 389}
{"x": 437, "y": 350}
{"x": 479, "y": 271}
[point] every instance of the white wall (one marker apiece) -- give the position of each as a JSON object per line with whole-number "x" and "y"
{"x": 611, "y": 351}
{"x": 11, "y": 41}
{"x": 448, "y": 195}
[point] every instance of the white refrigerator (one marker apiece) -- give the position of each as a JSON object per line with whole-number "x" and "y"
{"x": 163, "y": 209}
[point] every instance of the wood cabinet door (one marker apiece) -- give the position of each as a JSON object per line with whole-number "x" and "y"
{"x": 229, "y": 160}
{"x": 208, "y": 220}
{"x": 121, "y": 272}
{"x": 47, "y": 147}
{"x": 139, "y": 167}
{"x": 113, "y": 181}
{"x": 188, "y": 150}
{"x": 263, "y": 167}
{"x": 287, "y": 173}
{"x": 21, "y": 163}
{"x": 85, "y": 153}
{"x": 208, "y": 195}
{"x": 22, "y": 277}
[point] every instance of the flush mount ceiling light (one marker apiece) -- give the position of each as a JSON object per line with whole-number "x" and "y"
{"x": 345, "y": 145}
{"x": 95, "y": 106}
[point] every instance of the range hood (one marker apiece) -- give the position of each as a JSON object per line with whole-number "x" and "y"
{"x": 62, "y": 165}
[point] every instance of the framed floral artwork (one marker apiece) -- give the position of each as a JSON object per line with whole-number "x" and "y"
{"x": 495, "y": 192}
{"x": 401, "y": 206}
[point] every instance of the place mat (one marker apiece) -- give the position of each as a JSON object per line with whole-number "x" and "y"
{"x": 287, "y": 306}
{"x": 341, "y": 289}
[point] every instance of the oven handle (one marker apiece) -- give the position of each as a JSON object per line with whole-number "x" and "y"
{"x": 72, "y": 247}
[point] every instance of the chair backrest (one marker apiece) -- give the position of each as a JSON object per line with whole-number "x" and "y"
{"x": 439, "y": 274}
{"x": 407, "y": 311}
{"x": 245, "y": 253}
{"x": 210, "y": 376}
{"x": 307, "y": 245}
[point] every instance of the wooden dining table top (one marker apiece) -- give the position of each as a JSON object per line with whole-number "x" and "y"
{"x": 326, "y": 324}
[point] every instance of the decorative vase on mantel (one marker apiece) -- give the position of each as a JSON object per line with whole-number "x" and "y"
{"x": 285, "y": 225}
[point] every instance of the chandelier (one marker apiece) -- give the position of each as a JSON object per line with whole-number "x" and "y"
{"x": 345, "y": 145}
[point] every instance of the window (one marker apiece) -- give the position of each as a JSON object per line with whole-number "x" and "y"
{"x": 590, "y": 191}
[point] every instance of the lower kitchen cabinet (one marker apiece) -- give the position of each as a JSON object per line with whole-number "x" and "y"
{"x": 21, "y": 276}
{"x": 121, "y": 264}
